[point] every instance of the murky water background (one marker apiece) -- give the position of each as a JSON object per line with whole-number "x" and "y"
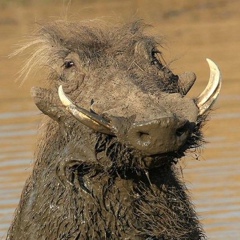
{"x": 193, "y": 30}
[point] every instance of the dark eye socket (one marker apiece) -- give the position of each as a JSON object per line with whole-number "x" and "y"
{"x": 68, "y": 64}
{"x": 155, "y": 59}
{"x": 154, "y": 52}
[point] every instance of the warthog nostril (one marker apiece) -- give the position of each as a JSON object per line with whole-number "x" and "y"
{"x": 144, "y": 136}
{"x": 180, "y": 131}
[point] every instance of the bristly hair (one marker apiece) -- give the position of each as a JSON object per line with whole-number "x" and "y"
{"x": 51, "y": 42}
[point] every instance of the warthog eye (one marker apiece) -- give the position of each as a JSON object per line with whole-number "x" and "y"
{"x": 155, "y": 59}
{"x": 68, "y": 64}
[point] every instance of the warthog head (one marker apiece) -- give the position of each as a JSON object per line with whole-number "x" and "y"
{"x": 117, "y": 114}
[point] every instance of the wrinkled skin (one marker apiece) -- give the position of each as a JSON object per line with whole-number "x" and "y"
{"x": 91, "y": 185}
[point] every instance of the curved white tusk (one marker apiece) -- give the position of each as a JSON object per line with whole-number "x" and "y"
{"x": 89, "y": 119}
{"x": 206, "y": 99}
{"x": 64, "y": 99}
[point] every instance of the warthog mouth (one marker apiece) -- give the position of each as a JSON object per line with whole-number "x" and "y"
{"x": 156, "y": 136}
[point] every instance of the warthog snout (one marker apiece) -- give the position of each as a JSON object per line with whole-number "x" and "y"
{"x": 167, "y": 132}
{"x": 158, "y": 136}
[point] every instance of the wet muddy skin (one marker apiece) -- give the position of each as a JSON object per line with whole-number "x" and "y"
{"x": 106, "y": 164}
{"x": 193, "y": 32}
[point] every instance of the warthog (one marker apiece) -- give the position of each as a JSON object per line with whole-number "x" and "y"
{"x": 117, "y": 122}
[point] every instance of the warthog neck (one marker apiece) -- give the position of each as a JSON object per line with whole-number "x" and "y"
{"x": 112, "y": 208}
{"x": 102, "y": 204}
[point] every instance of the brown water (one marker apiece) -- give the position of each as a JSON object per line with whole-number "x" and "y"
{"x": 194, "y": 30}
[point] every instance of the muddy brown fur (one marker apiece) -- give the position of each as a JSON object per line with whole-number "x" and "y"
{"x": 88, "y": 185}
